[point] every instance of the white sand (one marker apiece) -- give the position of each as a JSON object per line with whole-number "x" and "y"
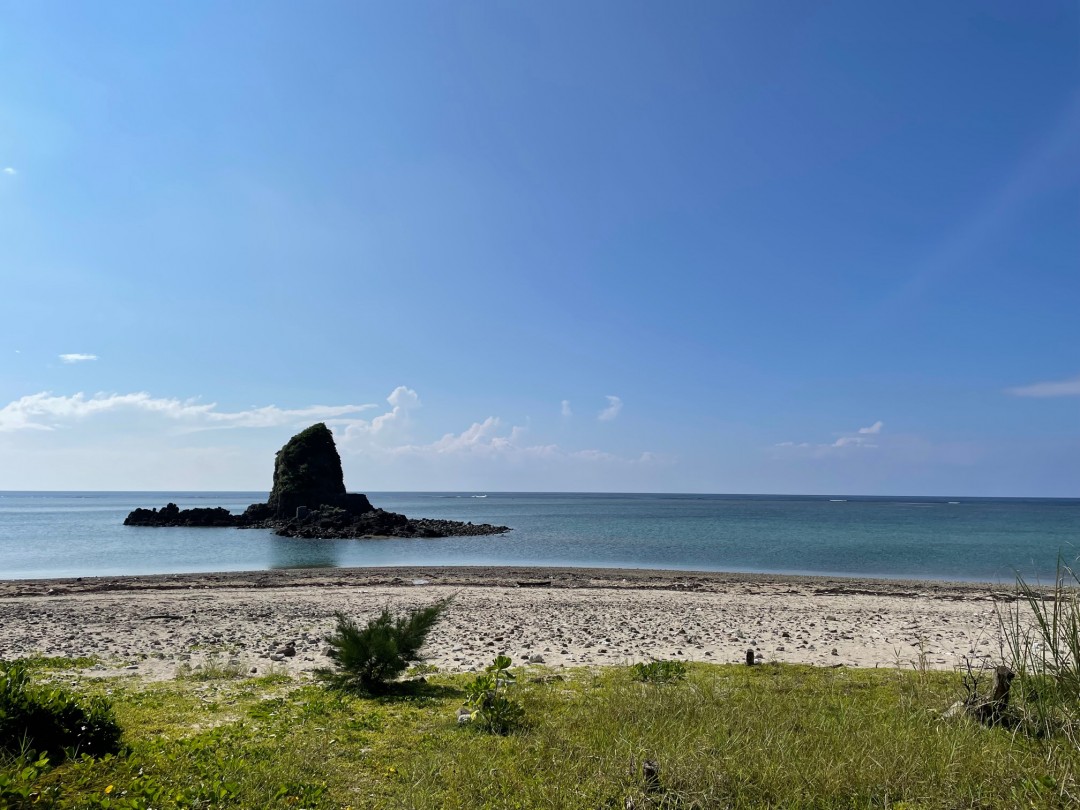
{"x": 148, "y": 626}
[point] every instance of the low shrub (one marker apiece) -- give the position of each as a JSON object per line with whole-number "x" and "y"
{"x": 368, "y": 658}
{"x": 492, "y": 710}
{"x": 50, "y": 720}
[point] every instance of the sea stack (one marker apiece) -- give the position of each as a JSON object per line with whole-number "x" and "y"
{"x": 308, "y": 499}
{"x": 307, "y": 473}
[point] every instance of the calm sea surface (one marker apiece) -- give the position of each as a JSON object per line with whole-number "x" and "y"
{"x": 62, "y": 534}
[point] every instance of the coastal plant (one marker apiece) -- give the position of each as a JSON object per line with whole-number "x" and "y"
{"x": 212, "y": 670}
{"x": 367, "y": 658}
{"x": 659, "y": 671}
{"x": 50, "y": 720}
{"x": 493, "y": 710}
{"x": 1041, "y": 632}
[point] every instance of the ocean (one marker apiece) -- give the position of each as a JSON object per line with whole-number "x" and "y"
{"x": 71, "y": 534}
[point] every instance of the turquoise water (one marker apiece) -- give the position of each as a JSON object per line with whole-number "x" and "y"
{"x": 59, "y": 534}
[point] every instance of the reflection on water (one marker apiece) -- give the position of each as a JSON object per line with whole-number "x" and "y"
{"x": 294, "y": 552}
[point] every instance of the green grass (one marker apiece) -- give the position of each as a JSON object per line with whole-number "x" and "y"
{"x": 725, "y": 736}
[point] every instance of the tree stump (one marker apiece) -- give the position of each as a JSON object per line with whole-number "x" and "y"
{"x": 650, "y": 769}
{"x": 992, "y": 710}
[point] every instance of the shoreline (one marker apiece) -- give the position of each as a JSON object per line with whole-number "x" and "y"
{"x": 501, "y": 576}
{"x": 158, "y": 627}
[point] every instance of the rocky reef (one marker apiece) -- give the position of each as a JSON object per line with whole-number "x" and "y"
{"x": 308, "y": 499}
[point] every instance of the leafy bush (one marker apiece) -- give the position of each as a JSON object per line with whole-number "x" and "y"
{"x": 492, "y": 710}
{"x": 51, "y": 720}
{"x": 659, "y": 671}
{"x": 368, "y": 659}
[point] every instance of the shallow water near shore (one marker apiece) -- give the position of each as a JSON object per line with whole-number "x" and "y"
{"x": 71, "y": 534}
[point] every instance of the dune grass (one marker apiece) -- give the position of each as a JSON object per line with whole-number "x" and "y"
{"x": 723, "y": 736}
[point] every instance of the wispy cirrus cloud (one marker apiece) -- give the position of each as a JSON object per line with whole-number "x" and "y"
{"x": 1052, "y": 388}
{"x": 614, "y": 407}
{"x": 77, "y": 358}
{"x": 862, "y": 437}
{"x": 44, "y": 411}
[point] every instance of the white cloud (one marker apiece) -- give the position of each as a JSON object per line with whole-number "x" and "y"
{"x": 77, "y": 358}
{"x": 127, "y": 441}
{"x": 612, "y": 409}
{"x": 490, "y": 439}
{"x": 402, "y": 402}
{"x": 566, "y": 408}
{"x": 8, "y": 170}
{"x": 858, "y": 438}
{"x": 1055, "y": 388}
{"x": 47, "y": 412}
{"x": 851, "y": 441}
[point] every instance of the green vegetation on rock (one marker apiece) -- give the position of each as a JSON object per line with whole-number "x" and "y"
{"x": 307, "y": 472}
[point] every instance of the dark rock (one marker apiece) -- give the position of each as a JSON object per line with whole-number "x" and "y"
{"x": 309, "y": 500}
{"x": 173, "y": 515}
{"x": 307, "y": 472}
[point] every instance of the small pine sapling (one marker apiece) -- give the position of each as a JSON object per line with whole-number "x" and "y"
{"x": 368, "y": 658}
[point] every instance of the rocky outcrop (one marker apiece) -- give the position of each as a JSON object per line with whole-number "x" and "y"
{"x": 308, "y": 499}
{"x": 173, "y": 515}
{"x": 307, "y": 473}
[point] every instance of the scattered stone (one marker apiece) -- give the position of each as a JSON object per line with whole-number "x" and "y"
{"x": 536, "y": 658}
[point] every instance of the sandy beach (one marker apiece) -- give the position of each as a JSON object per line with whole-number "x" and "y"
{"x": 150, "y": 626}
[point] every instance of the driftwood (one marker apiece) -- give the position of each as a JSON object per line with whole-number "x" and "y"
{"x": 990, "y": 710}
{"x": 650, "y": 771}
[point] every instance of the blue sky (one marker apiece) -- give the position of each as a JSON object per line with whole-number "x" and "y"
{"x": 706, "y": 247}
